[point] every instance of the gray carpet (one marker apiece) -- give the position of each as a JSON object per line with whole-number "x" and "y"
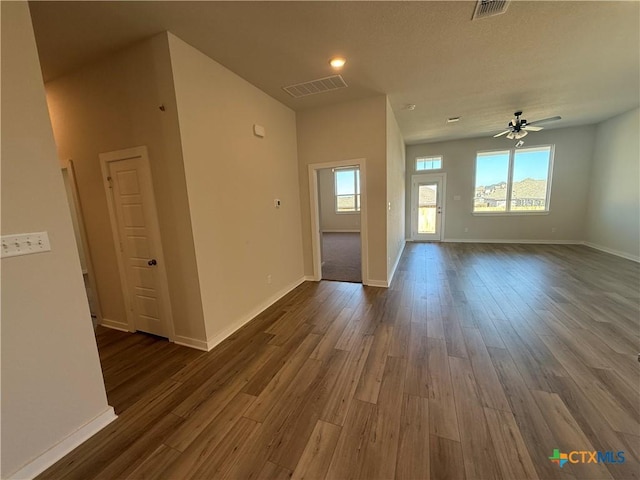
{"x": 341, "y": 257}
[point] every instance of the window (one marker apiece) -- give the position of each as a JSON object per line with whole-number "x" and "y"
{"x": 509, "y": 181}
{"x": 429, "y": 163}
{"x": 347, "y": 182}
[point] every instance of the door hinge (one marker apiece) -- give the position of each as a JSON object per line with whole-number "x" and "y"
{"x": 109, "y": 181}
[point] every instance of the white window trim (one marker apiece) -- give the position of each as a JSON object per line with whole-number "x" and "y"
{"x": 509, "y": 213}
{"x": 427, "y": 170}
{"x": 355, "y": 189}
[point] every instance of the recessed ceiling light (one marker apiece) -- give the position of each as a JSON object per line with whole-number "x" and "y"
{"x": 337, "y": 62}
{"x": 453, "y": 119}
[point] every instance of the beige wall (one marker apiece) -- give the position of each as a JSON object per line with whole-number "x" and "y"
{"x": 113, "y": 104}
{"x": 613, "y": 220}
{"x": 51, "y": 378}
{"x": 342, "y": 132}
{"x": 395, "y": 190}
{"x": 329, "y": 219}
{"x": 233, "y": 178}
{"x": 569, "y": 189}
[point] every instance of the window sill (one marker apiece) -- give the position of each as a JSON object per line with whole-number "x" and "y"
{"x": 507, "y": 214}
{"x": 348, "y": 213}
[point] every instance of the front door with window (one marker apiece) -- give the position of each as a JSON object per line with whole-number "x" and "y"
{"x": 427, "y": 198}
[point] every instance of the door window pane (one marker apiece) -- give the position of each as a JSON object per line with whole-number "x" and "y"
{"x": 427, "y": 205}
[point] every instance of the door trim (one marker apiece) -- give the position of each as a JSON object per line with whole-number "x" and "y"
{"x": 442, "y": 177}
{"x": 73, "y": 183}
{"x": 315, "y": 215}
{"x": 142, "y": 154}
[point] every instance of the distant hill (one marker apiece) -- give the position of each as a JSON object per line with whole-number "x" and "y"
{"x": 527, "y": 188}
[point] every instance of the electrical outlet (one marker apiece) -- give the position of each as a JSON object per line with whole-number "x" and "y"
{"x": 466, "y": 229}
{"x": 269, "y": 279}
{"x": 553, "y": 229}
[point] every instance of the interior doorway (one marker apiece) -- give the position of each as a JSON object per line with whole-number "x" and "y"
{"x": 339, "y": 208}
{"x": 427, "y": 207}
{"x": 338, "y": 219}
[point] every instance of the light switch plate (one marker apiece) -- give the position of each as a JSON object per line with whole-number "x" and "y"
{"x": 25, "y": 244}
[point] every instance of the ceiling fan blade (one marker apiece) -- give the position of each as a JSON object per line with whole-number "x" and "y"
{"x": 501, "y": 133}
{"x": 511, "y": 135}
{"x": 544, "y": 120}
{"x": 532, "y": 129}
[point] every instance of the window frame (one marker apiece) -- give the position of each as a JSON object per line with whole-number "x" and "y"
{"x": 428, "y": 158}
{"x": 512, "y": 154}
{"x": 356, "y": 189}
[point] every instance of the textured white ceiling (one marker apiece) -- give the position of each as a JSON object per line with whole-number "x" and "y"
{"x": 579, "y": 60}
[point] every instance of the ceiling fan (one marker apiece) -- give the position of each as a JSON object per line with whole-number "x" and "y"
{"x": 519, "y": 127}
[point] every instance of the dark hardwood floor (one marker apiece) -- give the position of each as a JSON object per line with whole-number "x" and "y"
{"x": 477, "y": 363}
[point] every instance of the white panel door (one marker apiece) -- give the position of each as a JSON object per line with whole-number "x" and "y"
{"x": 427, "y": 199}
{"x": 139, "y": 243}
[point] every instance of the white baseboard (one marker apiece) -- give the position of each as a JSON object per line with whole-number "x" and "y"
{"x": 115, "y": 324}
{"x": 340, "y": 231}
{"x": 395, "y": 265}
{"x": 310, "y": 278}
{"x": 376, "y": 283}
{"x": 218, "y": 338}
{"x": 59, "y": 450}
{"x": 522, "y": 241}
{"x": 191, "y": 342}
{"x": 617, "y": 253}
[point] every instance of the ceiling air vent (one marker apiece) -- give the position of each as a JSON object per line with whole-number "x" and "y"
{"x": 489, "y": 8}
{"x": 320, "y": 85}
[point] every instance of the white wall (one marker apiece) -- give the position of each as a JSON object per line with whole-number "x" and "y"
{"x": 395, "y": 191}
{"x": 613, "y": 220}
{"x": 569, "y": 189}
{"x": 111, "y": 104}
{"x": 348, "y": 131}
{"x": 51, "y": 378}
{"x": 330, "y": 221}
{"x": 232, "y": 179}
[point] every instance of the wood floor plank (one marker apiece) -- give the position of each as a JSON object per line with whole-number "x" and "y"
{"x": 453, "y": 332}
{"x": 413, "y": 449}
{"x": 537, "y": 435}
{"x": 272, "y": 471}
{"x": 511, "y": 451}
{"x": 489, "y": 386}
{"x": 318, "y": 452}
{"x": 479, "y": 452}
{"x": 382, "y": 448}
{"x": 333, "y": 334}
{"x": 371, "y": 378}
{"x": 210, "y": 421}
{"x": 445, "y": 459}
{"x": 417, "y": 375}
{"x": 338, "y": 402}
{"x": 349, "y": 455}
{"x": 443, "y": 420}
{"x": 277, "y": 387}
{"x": 401, "y": 333}
{"x": 155, "y": 465}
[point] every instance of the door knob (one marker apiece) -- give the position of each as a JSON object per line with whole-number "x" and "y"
{"x": 152, "y": 262}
